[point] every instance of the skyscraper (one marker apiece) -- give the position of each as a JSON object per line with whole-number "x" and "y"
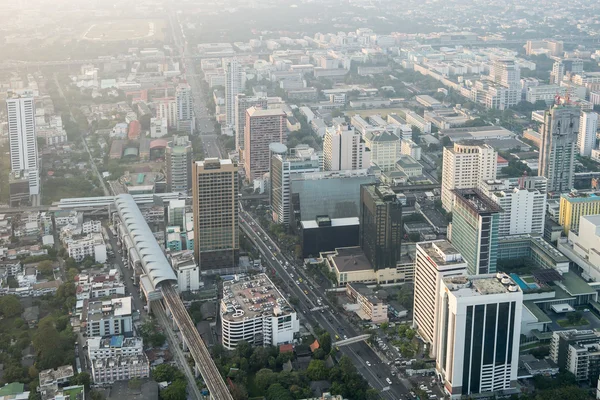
{"x": 166, "y": 108}
{"x": 465, "y": 166}
{"x": 434, "y": 261}
{"x": 263, "y": 127}
{"x": 588, "y": 125}
{"x": 559, "y": 144}
{"x": 215, "y": 207}
{"x": 506, "y": 72}
{"x": 178, "y": 156}
{"x": 23, "y": 141}
{"x": 243, "y": 103}
{"x": 380, "y": 225}
{"x": 185, "y": 109}
{"x": 233, "y": 86}
{"x": 344, "y": 149}
{"x": 480, "y": 326}
{"x": 474, "y": 231}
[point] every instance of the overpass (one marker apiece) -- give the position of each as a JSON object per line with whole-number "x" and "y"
{"x": 351, "y": 340}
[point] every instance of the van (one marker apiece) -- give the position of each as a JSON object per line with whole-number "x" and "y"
{"x": 388, "y": 380}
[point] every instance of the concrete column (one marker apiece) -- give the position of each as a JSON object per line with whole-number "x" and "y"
{"x": 184, "y": 345}
{"x": 196, "y": 370}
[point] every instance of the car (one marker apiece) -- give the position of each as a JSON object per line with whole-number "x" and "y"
{"x": 388, "y": 380}
{"x": 345, "y": 336}
{"x": 305, "y": 291}
{"x": 273, "y": 258}
{"x": 368, "y": 364}
{"x": 297, "y": 282}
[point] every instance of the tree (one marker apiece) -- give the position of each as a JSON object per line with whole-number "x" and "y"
{"x": 264, "y": 378}
{"x": 278, "y": 392}
{"x": 166, "y": 373}
{"x": 134, "y": 383}
{"x": 45, "y": 267}
{"x": 175, "y": 391}
{"x": 195, "y": 312}
{"x": 10, "y": 306}
{"x": 325, "y": 342}
{"x": 82, "y": 378}
{"x": 96, "y": 395}
{"x": 574, "y": 317}
{"x": 72, "y": 273}
{"x": 317, "y": 370}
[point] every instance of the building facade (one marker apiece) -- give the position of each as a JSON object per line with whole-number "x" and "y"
{"x": 380, "y": 225}
{"x": 233, "y": 86}
{"x": 577, "y": 351}
{"x": 242, "y": 104}
{"x": 344, "y": 149}
{"x": 109, "y": 317}
{"x": 186, "y": 121}
{"x": 559, "y": 144}
{"x": 573, "y": 206}
{"x": 588, "y": 126}
{"x": 215, "y": 208}
{"x": 263, "y": 127}
{"x": 178, "y": 160}
{"x": 466, "y": 165}
{"x": 474, "y": 231}
{"x": 117, "y": 359}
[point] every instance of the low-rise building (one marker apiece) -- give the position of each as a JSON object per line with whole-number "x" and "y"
{"x": 108, "y": 317}
{"x": 186, "y": 269}
{"x": 577, "y": 351}
{"x": 90, "y": 245}
{"x": 410, "y": 148}
{"x": 117, "y": 358}
{"x": 50, "y": 379}
{"x": 369, "y": 306}
{"x": 255, "y": 311}
{"x": 409, "y": 166}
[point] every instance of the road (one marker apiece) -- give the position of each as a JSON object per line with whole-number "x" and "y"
{"x": 205, "y": 124}
{"x": 92, "y": 162}
{"x": 360, "y": 353}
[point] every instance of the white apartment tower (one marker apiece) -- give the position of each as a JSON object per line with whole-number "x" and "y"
{"x": 506, "y": 72}
{"x": 434, "y": 261}
{"x": 523, "y": 203}
{"x": 242, "y": 104}
{"x": 185, "y": 109}
{"x": 465, "y": 166}
{"x": 23, "y": 140}
{"x": 233, "y": 86}
{"x": 559, "y": 144}
{"x": 588, "y": 125}
{"x": 480, "y": 326}
{"x": 343, "y": 149}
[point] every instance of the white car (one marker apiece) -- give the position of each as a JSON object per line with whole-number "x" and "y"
{"x": 368, "y": 364}
{"x": 388, "y": 380}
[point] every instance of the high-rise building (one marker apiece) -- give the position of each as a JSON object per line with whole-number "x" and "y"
{"x": 185, "y": 109}
{"x": 466, "y": 165}
{"x": 588, "y": 125}
{"x": 302, "y": 159}
{"x": 384, "y": 148}
{"x": 574, "y": 205}
{"x": 480, "y": 325}
{"x": 434, "y": 261}
{"x": 380, "y": 225}
{"x": 22, "y": 138}
{"x": 523, "y": 203}
{"x": 506, "y": 72}
{"x": 215, "y": 208}
{"x": 263, "y": 127}
{"x": 559, "y": 144}
{"x": 344, "y": 149}
{"x": 233, "y": 86}
{"x": 557, "y": 73}
{"x": 474, "y": 230}
{"x": 178, "y": 156}
{"x": 243, "y": 103}
{"x": 577, "y": 352}
{"x": 166, "y": 108}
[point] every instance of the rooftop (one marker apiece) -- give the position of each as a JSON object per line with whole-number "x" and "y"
{"x": 49, "y": 376}
{"x": 350, "y": 221}
{"x": 252, "y": 298}
{"x": 118, "y": 307}
{"x": 348, "y": 259}
{"x": 441, "y": 252}
{"x": 259, "y": 112}
{"x": 476, "y": 201}
{"x": 576, "y": 196}
{"x": 481, "y": 285}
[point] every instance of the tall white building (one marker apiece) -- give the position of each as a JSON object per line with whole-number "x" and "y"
{"x": 23, "y": 141}
{"x": 233, "y": 86}
{"x": 588, "y": 126}
{"x": 480, "y": 326}
{"x": 185, "y": 109}
{"x": 343, "y": 149}
{"x": 242, "y": 104}
{"x": 466, "y": 165}
{"x": 434, "y": 261}
{"x": 559, "y": 143}
{"x": 506, "y": 72}
{"x": 166, "y": 108}
{"x": 265, "y": 320}
{"x": 523, "y": 203}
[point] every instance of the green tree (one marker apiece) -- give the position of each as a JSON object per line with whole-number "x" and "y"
{"x": 264, "y": 378}
{"x": 325, "y": 342}
{"x": 10, "y": 306}
{"x": 175, "y": 391}
{"x": 96, "y": 395}
{"x": 278, "y": 392}
{"x": 45, "y": 267}
{"x": 82, "y": 378}
{"x": 195, "y": 311}
{"x": 317, "y": 370}
{"x": 166, "y": 373}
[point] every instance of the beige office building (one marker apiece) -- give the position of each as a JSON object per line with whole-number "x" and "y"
{"x": 263, "y": 127}
{"x": 215, "y": 205}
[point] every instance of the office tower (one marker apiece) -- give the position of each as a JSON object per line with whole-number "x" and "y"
{"x": 523, "y": 203}
{"x": 574, "y": 205}
{"x": 178, "y": 156}
{"x": 343, "y": 149}
{"x": 302, "y": 159}
{"x": 380, "y": 225}
{"x": 233, "y": 86}
{"x": 384, "y": 148}
{"x": 215, "y": 207}
{"x": 22, "y": 138}
{"x": 559, "y": 142}
{"x": 185, "y": 109}
{"x": 588, "y": 125}
{"x": 243, "y": 103}
{"x": 434, "y": 261}
{"x": 480, "y": 326}
{"x": 465, "y": 166}
{"x": 474, "y": 233}
{"x": 166, "y": 108}
{"x": 263, "y": 127}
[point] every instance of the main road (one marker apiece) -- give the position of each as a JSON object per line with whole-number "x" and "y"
{"x": 205, "y": 124}
{"x": 362, "y": 356}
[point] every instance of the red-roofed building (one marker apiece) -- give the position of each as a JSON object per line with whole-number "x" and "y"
{"x": 286, "y": 348}
{"x": 502, "y": 162}
{"x": 135, "y": 129}
{"x": 314, "y": 346}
